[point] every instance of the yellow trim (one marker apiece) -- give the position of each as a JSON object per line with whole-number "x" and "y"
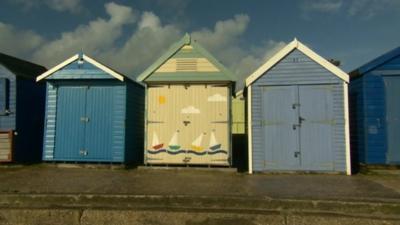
{"x": 249, "y": 127}
{"x": 59, "y": 66}
{"x": 347, "y": 128}
{"x": 295, "y": 44}
{"x": 104, "y": 68}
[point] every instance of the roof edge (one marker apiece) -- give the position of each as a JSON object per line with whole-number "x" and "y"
{"x": 75, "y": 57}
{"x": 295, "y": 44}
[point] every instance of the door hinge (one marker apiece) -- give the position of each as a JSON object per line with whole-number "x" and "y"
{"x": 85, "y": 119}
{"x": 83, "y": 152}
{"x": 295, "y": 105}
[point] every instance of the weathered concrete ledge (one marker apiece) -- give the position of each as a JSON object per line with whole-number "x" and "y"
{"x": 244, "y": 205}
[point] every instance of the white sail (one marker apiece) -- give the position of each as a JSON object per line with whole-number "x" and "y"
{"x": 198, "y": 140}
{"x": 213, "y": 140}
{"x": 155, "y": 141}
{"x": 174, "y": 139}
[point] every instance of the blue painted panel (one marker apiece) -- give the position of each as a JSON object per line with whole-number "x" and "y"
{"x": 98, "y": 130}
{"x": 316, "y": 113}
{"x": 70, "y": 132}
{"x": 357, "y": 121}
{"x": 392, "y": 85}
{"x": 4, "y": 95}
{"x": 281, "y": 141}
{"x": 374, "y": 119}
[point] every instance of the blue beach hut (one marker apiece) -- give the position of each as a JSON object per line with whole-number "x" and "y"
{"x": 298, "y": 114}
{"x": 21, "y": 110}
{"x": 93, "y": 113}
{"x": 375, "y": 110}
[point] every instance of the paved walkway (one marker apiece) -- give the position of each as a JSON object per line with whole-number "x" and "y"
{"x": 42, "y": 179}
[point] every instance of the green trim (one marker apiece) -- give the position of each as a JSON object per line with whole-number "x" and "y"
{"x": 213, "y": 60}
{"x": 170, "y": 52}
{"x": 188, "y": 76}
{"x": 198, "y": 52}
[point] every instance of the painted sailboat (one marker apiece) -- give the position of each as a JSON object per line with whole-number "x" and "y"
{"x": 156, "y": 145}
{"x": 214, "y": 145}
{"x": 196, "y": 144}
{"x": 173, "y": 143}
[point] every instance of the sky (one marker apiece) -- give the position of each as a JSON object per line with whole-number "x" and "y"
{"x": 129, "y": 35}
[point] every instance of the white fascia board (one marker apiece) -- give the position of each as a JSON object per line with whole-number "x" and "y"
{"x": 347, "y": 128}
{"x": 104, "y": 68}
{"x": 250, "y": 131}
{"x": 56, "y": 68}
{"x": 323, "y": 62}
{"x": 271, "y": 62}
{"x": 295, "y": 44}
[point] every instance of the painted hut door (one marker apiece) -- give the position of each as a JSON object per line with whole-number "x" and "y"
{"x": 84, "y": 123}
{"x": 316, "y": 118}
{"x": 281, "y": 135}
{"x": 187, "y": 124}
{"x": 392, "y": 84}
{"x": 297, "y": 123}
{"x": 98, "y": 128}
{"x": 71, "y": 104}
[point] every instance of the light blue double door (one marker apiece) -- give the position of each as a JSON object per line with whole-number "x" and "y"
{"x": 84, "y": 123}
{"x": 298, "y": 125}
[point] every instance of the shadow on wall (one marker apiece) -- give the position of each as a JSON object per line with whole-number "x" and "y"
{"x": 239, "y": 152}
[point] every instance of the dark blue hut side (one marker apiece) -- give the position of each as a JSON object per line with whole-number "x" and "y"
{"x": 375, "y": 110}
{"x": 93, "y": 114}
{"x": 21, "y": 110}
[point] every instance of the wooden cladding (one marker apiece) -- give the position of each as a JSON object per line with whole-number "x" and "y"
{"x": 6, "y": 146}
{"x": 187, "y": 65}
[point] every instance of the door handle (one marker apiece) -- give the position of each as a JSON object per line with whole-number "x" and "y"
{"x": 295, "y": 126}
{"x": 296, "y": 154}
{"x": 186, "y": 122}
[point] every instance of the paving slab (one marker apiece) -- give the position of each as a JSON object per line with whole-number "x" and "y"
{"x": 50, "y": 180}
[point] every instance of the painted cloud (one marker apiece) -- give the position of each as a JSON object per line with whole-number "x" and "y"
{"x": 217, "y": 98}
{"x": 190, "y": 110}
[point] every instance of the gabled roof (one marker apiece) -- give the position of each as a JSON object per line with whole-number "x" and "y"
{"x": 376, "y": 62}
{"x": 85, "y": 58}
{"x": 186, "y": 40}
{"x": 295, "y": 44}
{"x": 21, "y": 67}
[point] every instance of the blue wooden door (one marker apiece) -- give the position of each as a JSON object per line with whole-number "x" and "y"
{"x": 392, "y": 88}
{"x": 70, "y": 129}
{"x": 99, "y": 120}
{"x": 281, "y": 135}
{"x": 316, "y": 121}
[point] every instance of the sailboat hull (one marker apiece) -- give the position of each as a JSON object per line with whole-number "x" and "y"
{"x": 157, "y": 147}
{"x": 215, "y": 147}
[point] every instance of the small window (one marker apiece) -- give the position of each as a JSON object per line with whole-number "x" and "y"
{"x": 4, "y": 96}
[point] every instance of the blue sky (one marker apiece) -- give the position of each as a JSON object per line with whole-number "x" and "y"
{"x": 129, "y": 35}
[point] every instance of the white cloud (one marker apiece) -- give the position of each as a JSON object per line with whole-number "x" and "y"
{"x": 150, "y": 20}
{"x": 58, "y": 5}
{"x": 18, "y": 42}
{"x": 94, "y": 38}
{"x": 363, "y": 9}
{"x": 217, "y": 98}
{"x": 144, "y": 41}
{"x": 324, "y": 6}
{"x": 224, "y": 43}
{"x": 190, "y": 110}
{"x": 367, "y": 9}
